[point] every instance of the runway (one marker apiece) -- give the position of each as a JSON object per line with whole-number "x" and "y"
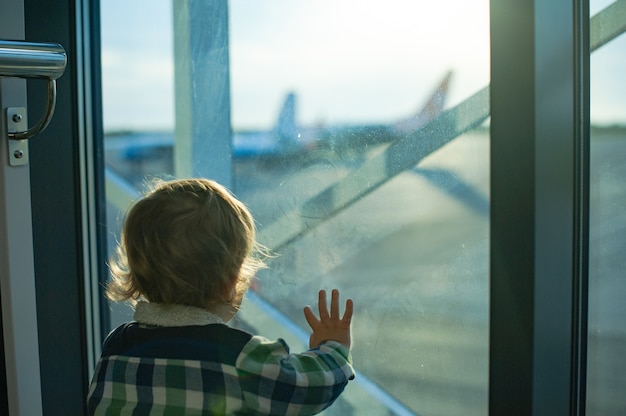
{"x": 414, "y": 255}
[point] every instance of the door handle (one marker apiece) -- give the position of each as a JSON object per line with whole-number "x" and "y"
{"x": 31, "y": 60}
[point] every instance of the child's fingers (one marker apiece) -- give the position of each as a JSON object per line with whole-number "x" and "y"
{"x": 334, "y": 304}
{"x": 322, "y": 306}
{"x": 347, "y": 315}
{"x": 310, "y": 317}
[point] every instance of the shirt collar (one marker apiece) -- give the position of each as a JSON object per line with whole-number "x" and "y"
{"x": 173, "y": 315}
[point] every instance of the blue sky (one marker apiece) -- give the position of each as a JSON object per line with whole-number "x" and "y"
{"x": 348, "y": 60}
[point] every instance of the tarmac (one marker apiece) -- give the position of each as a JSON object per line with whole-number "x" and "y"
{"x": 414, "y": 256}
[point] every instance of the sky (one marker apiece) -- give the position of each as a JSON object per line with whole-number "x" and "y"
{"x": 349, "y": 61}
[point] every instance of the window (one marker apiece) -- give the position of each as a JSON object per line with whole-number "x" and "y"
{"x": 170, "y": 79}
{"x": 606, "y": 379}
{"x": 356, "y": 133}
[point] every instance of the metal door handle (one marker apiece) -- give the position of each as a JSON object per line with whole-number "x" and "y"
{"x": 33, "y": 60}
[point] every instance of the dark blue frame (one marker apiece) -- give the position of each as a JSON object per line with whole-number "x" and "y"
{"x": 58, "y": 228}
{"x": 539, "y": 206}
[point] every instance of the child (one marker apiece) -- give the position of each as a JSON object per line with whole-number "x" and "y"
{"x": 187, "y": 256}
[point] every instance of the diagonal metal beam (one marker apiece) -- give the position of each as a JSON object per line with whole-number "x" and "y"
{"x": 607, "y": 24}
{"x": 401, "y": 155}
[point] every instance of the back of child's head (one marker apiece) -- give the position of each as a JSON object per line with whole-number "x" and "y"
{"x": 188, "y": 242}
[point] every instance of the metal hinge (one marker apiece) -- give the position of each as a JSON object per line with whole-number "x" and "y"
{"x": 18, "y": 149}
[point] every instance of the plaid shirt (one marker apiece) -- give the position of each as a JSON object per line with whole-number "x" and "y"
{"x": 213, "y": 370}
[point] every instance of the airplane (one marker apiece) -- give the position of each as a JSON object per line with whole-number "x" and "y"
{"x": 287, "y": 141}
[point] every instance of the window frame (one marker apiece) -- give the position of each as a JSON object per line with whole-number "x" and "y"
{"x": 539, "y": 206}
{"x": 67, "y": 193}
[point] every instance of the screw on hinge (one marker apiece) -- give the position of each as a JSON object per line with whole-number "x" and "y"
{"x": 17, "y": 117}
{"x": 18, "y": 154}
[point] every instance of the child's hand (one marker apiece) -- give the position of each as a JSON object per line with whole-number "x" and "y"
{"x": 329, "y": 326}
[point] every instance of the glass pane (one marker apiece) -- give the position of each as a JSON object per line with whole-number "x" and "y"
{"x": 606, "y": 377}
{"x": 354, "y": 146}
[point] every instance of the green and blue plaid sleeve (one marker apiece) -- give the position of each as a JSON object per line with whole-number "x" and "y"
{"x": 146, "y": 386}
{"x": 273, "y": 381}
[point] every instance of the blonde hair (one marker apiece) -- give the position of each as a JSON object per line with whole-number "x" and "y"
{"x": 188, "y": 242}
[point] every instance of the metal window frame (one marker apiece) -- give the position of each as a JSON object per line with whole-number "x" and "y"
{"x": 539, "y": 206}
{"x": 20, "y": 365}
{"x": 66, "y": 170}
{"x": 539, "y": 178}
{"x": 202, "y": 90}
